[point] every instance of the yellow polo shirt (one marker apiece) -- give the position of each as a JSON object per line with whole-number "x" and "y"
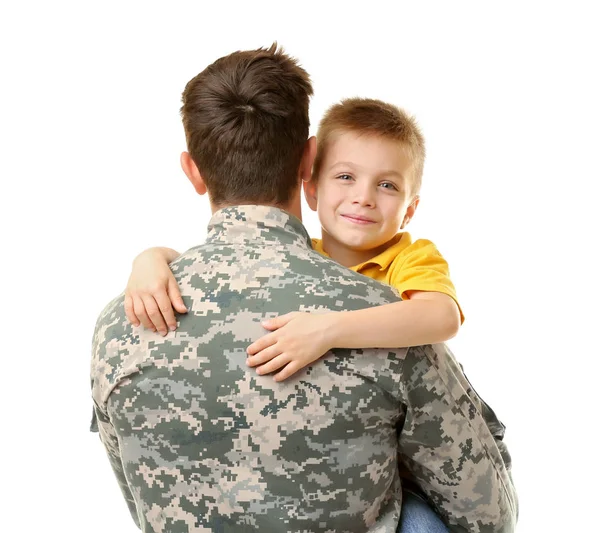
{"x": 407, "y": 266}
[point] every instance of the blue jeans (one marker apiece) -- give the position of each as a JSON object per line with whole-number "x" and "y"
{"x": 418, "y": 517}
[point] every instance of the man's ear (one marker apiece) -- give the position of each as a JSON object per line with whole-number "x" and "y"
{"x": 410, "y": 211}
{"x": 191, "y": 171}
{"x": 308, "y": 184}
{"x": 308, "y": 158}
{"x": 310, "y": 193}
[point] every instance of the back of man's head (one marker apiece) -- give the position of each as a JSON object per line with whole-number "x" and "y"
{"x": 246, "y": 124}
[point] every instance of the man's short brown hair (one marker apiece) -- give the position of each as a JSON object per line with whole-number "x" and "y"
{"x": 246, "y": 124}
{"x": 372, "y": 117}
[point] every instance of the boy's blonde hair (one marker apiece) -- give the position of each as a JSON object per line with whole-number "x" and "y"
{"x": 372, "y": 117}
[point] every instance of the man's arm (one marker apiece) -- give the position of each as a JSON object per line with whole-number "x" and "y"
{"x": 448, "y": 444}
{"x": 111, "y": 443}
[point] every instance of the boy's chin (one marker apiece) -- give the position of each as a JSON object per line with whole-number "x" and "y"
{"x": 361, "y": 246}
{"x": 375, "y": 247}
{"x": 359, "y": 243}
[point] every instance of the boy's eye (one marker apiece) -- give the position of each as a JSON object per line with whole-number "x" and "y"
{"x": 388, "y": 185}
{"x": 344, "y": 177}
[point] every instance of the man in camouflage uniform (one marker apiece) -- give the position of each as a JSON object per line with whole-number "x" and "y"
{"x": 199, "y": 442}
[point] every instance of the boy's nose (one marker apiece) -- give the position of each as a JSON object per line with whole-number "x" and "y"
{"x": 364, "y": 198}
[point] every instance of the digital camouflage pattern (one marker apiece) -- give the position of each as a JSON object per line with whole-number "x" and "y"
{"x": 199, "y": 442}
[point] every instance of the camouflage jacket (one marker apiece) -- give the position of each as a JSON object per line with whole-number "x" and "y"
{"x": 199, "y": 442}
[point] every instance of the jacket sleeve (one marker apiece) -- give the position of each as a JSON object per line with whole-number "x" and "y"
{"x": 108, "y": 437}
{"x": 451, "y": 442}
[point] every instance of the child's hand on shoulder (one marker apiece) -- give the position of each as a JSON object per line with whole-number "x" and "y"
{"x": 296, "y": 340}
{"x": 152, "y": 293}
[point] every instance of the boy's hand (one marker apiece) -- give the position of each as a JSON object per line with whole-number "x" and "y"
{"x": 297, "y": 339}
{"x": 152, "y": 292}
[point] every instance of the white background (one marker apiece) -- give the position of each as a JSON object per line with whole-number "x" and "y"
{"x": 508, "y": 99}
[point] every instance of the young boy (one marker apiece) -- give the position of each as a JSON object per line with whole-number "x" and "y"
{"x": 365, "y": 188}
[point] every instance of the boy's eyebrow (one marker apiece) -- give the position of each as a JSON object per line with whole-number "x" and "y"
{"x": 342, "y": 164}
{"x": 392, "y": 173}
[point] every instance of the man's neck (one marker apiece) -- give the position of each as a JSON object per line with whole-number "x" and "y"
{"x": 293, "y": 208}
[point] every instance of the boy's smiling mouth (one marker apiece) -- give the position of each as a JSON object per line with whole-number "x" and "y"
{"x": 358, "y": 219}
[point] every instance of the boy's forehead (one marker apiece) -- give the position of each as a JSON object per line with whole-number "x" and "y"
{"x": 368, "y": 150}
{"x": 368, "y": 140}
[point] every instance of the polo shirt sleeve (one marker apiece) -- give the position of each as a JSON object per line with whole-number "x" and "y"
{"x": 421, "y": 267}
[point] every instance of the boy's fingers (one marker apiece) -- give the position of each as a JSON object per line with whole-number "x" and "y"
{"x": 273, "y": 364}
{"x": 140, "y": 313}
{"x": 164, "y": 304}
{"x": 261, "y": 344}
{"x": 129, "y": 311}
{"x": 277, "y": 322}
{"x": 179, "y": 305}
{"x": 175, "y": 296}
{"x": 288, "y": 370}
{"x": 154, "y": 314}
{"x": 264, "y": 356}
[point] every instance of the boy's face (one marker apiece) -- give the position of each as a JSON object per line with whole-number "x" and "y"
{"x": 362, "y": 195}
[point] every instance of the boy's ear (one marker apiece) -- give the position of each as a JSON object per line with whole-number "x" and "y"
{"x": 410, "y": 211}
{"x": 310, "y": 193}
{"x": 191, "y": 171}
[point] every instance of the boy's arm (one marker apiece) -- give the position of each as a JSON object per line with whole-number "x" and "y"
{"x": 152, "y": 291}
{"x": 428, "y": 314}
{"x": 427, "y": 318}
{"x": 301, "y": 338}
